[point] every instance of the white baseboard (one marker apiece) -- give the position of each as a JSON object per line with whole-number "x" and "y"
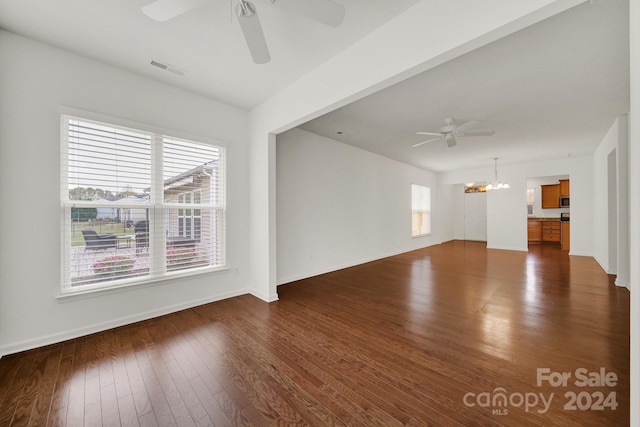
{"x": 603, "y": 266}
{"x": 264, "y": 297}
{"x": 325, "y": 270}
{"x": 99, "y": 327}
{"x": 509, "y": 248}
{"x": 620, "y": 284}
{"x": 572, "y": 253}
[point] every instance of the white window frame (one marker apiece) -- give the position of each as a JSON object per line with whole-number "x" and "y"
{"x": 420, "y": 204}
{"x": 157, "y": 206}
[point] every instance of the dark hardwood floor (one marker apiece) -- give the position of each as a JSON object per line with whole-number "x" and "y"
{"x": 449, "y": 335}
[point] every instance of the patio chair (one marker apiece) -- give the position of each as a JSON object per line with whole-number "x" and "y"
{"x": 142, "y": 235}
{"x": 94, "y": 241}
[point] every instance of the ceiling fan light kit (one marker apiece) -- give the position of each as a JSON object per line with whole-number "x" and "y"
{"x": 496, "y": 184}
{"x": 326, "y": 12}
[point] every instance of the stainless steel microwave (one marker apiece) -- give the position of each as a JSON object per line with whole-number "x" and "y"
{"x": 564, "y": 202}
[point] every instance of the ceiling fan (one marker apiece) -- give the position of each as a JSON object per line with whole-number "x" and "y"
{"x": 449, "y": 132}
{"x": 325, "y": 11}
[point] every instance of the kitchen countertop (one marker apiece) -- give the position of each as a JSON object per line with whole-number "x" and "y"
{"x": 534, "y": 218}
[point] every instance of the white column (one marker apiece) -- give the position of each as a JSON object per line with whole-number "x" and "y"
{"x": 634, "y": 209}
{"x": 622, "y": 269}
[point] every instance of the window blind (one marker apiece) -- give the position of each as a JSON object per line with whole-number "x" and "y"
{"x": 420, "y": 210}
{"x": 138, "y": 205}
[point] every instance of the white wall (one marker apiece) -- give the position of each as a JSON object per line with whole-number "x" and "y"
{"x": 35, "y": 80}
{"x": 634, "y": 207}
{"x": 601, "y": 198}
{"x": 507, "y": 209}
{"x": 340, "y": 206}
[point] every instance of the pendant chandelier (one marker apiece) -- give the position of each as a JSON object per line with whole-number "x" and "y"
{"x": 496, "y": 184}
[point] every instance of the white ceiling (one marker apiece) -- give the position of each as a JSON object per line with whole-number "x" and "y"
{"x": 206, "y": 43}
{"x": 549, "y": 91}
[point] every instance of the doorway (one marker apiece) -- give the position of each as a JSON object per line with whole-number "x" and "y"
{"x": 475, "y": 216}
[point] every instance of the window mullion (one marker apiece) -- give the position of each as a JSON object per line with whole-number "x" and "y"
{"x": 158, "y": 239}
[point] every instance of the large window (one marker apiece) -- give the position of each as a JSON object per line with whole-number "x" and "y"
{"x": 420, "y": 210}
{"x": 138, "y": 205}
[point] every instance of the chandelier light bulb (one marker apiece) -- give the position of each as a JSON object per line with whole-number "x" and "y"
{"x": 496, "y": 184}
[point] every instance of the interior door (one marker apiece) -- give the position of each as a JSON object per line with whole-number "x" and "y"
{"x": 475, "y": 216}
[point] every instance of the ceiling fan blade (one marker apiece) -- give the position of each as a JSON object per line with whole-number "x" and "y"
{"x": 426, "y": 142}
{"x": 477, "y": 133}
{"x": 428, "y": 133}
{"x": 325, "y": 11}
{"x": 252, "y": 31}
{"x": 466, "y": 126}
{"x": 163, "y": 10}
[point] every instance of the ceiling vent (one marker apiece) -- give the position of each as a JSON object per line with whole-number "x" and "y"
{"x": 167, "y": 67}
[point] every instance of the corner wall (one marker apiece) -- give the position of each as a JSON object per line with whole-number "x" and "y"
{"x": 601, "y": 198}
{"x": 30, "y": 314}
{"x": 339, "y": 206}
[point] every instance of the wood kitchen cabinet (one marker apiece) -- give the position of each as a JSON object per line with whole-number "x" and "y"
{"x": 550, "y": 196}
{"x": 566, "y": 235}
{"x": 534, "y": 231}
{"x": 544, "y": 231}
{"x": 564, "y": 188}
{"x": 551, "y": 231}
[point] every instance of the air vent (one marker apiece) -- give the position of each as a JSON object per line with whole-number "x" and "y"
{"x": 167, "y": 67}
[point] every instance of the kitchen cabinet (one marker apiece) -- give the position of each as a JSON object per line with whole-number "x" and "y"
{"x": 551, "y": 231}
{"x": 544, "y": 231}
{"x": 534, "y": 231}
{"x": 564, "y": 188}
{"x": 550, "y": 196}
{"x": 566, "y": 235}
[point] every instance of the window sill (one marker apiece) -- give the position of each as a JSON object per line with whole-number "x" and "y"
{"x": 82, "y": 292}
{"x": 420, "y": 235}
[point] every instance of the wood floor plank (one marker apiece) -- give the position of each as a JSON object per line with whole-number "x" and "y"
{"x": 399, "y": 341}
{"x": 157, "y": 398}
{"x": 57, "y": 417}
{"x": 76, "y": 404}
{"x": 9, "y": 370}
{"x": 29, "y": 393}
{"x": 45, "y": 388}
{"x": 109, "y": 406}
{"x": 14, "y": 377}
{"x": 127, "y": 411}
{"x": 60, "y": 398}
{"x": 135, "y": 377}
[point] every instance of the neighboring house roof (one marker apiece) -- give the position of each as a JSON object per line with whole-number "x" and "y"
{"x": 191, "y": 175}
{"x": 138, "y": 198}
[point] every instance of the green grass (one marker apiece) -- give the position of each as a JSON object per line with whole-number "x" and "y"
{"x": 98, "y": 227}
